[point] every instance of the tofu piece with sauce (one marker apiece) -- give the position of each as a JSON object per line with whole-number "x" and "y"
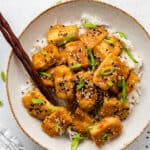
{"x": 46, "y": 57}
{"x": 64, "y": 82}
{"x": 93, "y": 36}
{"x": 59, "y": 33}
{"x": 81, "y": 121}
{"x": 109, "y": 72}
{"x": 86, "y": 92}
{"x": 56, "y": 123}
{"x": 104, "y": 48}
{"x": 36, "y": 104}
{"x": 105, "y": 130}
{"x": 113, "y": 107}
{"x": 76, "y": 54}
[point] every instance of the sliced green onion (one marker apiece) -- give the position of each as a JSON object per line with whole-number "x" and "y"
{"x": 44, "y": 53}
{"x": 91, "y": 126}
{"x": 76, "y": 66}
{"x": 1, "y": 103}
{"x": 80, "y": 84}
{"x": 76, "y": 141}
{"x": 91, "y": 59}
{"x": 110, "y": 83}
{"x": 3, "y": 76}
{"x": 57, "y": 127}
{"x": 37, "y": 101}
{"x": 104, "y": 137}
{"x": 130, "y": 55}
{"x": 89, "y": 25}
{"x": 67, "y": 39}
{"x": 109, "y": 41}
{"x": 45, "y": 74}
{"x": 58, "y": 2}
{"x": 107, "y": 71}
{"x": 123, "y": 96}
{"x": 122, "y": 35}
{"x": 52, "y": 109}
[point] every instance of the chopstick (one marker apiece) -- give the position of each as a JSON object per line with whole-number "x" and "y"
{"x": 24, "y": 58}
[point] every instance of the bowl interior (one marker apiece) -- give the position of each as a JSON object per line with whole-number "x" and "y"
{"x": 70, "y": 13}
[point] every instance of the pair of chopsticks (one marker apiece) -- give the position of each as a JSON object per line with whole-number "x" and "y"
{"x": 24, "y": 58}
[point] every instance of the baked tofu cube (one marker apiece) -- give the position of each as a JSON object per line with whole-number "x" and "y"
{"x": 46, "y": 57}
{"x": 104, "y": 48}
{"x": 76, "y": 54}
{"x": 132, "y": 80}
{"x": 62, "y": 56}
{"x": 105, "y": 130}
{"x": 113, "y": 107}
{"x": 56, "y": 123}
{"x": 109, "y": 72}
{"x": 36, "y": 104}
{"x": 81, "y": 121}
{"x": 63, "y": 81}
{"x": 93, "y": 36}
{"x": 86, "y": 92}
{"x": 59, "y": 33}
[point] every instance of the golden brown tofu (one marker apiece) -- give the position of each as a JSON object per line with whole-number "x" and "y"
{"x": 104, "y": 48}
{"x": 107, "y": 129}
{"x": 36, "y": 104}
{"x": 113, "y": 107}
{"x": 81, "y": 121}
{"x": 93, "y": 36}
{"x": 132, "y": 80}
{"x": 46, "y": 57}
{"x": 58, "y": 33}
{"x": 109, "y": 72}
{"x": 63, "y": 81}
{"x": 76, "y": 54}
{"x": 62, "y": 56}
{"x": 86, "y": 94}
{"x": 56, "y": 123}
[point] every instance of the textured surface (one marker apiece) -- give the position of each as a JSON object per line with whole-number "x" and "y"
{"x": 20, "y": 13}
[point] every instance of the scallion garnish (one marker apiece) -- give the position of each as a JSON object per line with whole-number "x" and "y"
{"x": 76, "y": 141}
{"x": 44, "y": 53}
{"x": 109, "y": 83}
{"x": 76, "y": 66}
{"x": 80, "y": 84}
{"x": 45, "y": 74}
{"x": 57, "y": 127}
{"x": 91, "y": 126}
{"x": 37, "y": 101}
{"x": 52, "y": 109}
{"x": 109, "y": 41}
{"x": 3, "y": 76}
{"x": 58, "y": 2}
{"x": 107, "y": 71}
{"x": 91, "y": 58}
{"x": 67, "y": 39}
{"x": 89, "y": 25}
{"x": 1, "y": 103}
{"x": 130, "y": 55}
{"x": 104, "y": 137}
{"x": 122, "y": 35}
{"x": 123, "y": 95}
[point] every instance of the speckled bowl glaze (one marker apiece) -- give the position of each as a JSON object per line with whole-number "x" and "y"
{"x": 71, "y": 12}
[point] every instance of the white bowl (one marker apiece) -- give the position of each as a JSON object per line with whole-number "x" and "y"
{"x": 71, "y": 12}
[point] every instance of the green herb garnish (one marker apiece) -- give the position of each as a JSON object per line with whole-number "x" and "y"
{"x": 37, "y": 101}
{"x": 3, "y": 76}
{"x": 57, "y": 127}
{"x": 80, "y": 84}
{"x": 76, "y": 141}
{"x": 91, "y": 58}
{"x": 107, "y": 71}
{"x": 45, "y": 74}
{"x": 67, "y": 39}
{"x": 58, "y": 2}
{"x": 130, "y": 55}
{"x": 52, "y": 109}
{"x": 122, "y": 35}
{"x": 109, "y": 83}
{"x": 76, "y": 66}
{"x": 1, "y": 103}
{"x": 109, "y": 41}
{"x": 91, "y": 126}
{"x": 89, "y": 25}
{"x": 44, "y": 53}
{"x": 104, "y": 137}
{"x": 123, "y": 96}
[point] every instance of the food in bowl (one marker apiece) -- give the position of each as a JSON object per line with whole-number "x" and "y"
{"x": 95, "y": 76}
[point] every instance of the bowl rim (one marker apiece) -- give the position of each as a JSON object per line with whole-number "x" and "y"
{"x": 24, "y": 30}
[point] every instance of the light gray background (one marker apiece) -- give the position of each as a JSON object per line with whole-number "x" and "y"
{"x": 19, "y": 13}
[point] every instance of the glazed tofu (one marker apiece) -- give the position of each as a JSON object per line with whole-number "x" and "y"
{"x": 113, "y": 107}
{"x": 107, "y": 129}
{"x": 46, "y": 57}
{"x": 59, "y": 33}
{"x": 109, "y": 72}
{"x": 132, "y": 80}
{"x": 56, "y": 123}
{"x": 93, "y": 36}
{"x": 62, "y": 57}
{"x": 104, "y": 48}
{"x": 36, "y": 104}
{"x": 81, "y": 121}
{"x": 63, "y": 81}
{"x": 87, "y": 94}
{"x": 76, "y": 54}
